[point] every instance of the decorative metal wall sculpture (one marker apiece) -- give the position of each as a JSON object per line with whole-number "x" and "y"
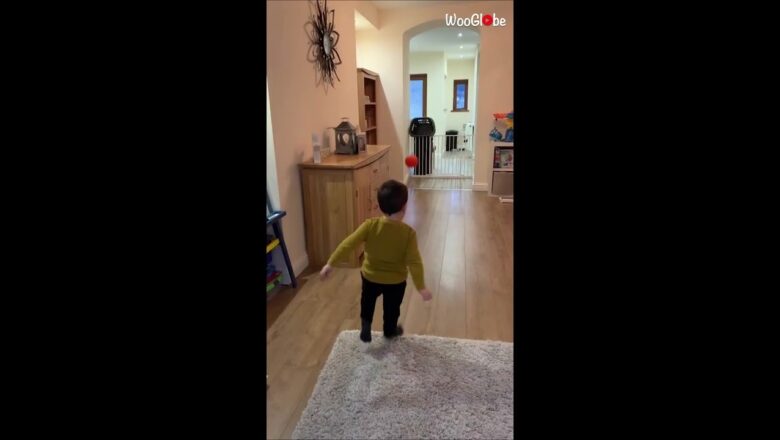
{"x": 322, "y": 44}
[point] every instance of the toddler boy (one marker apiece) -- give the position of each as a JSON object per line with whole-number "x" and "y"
{"x": 390, "y": 248}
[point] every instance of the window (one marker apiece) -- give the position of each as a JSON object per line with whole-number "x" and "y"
{"x": 460, "y": 95}
{"x": 418, "y": 95}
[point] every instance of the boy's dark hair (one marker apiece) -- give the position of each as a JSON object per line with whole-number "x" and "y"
{"x": 392, "y": 196}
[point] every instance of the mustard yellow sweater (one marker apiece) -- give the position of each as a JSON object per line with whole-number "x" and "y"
{"x": 390, "y": 247}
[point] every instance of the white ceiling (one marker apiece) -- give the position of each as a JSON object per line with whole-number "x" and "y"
{"x": 446, "y": 40}
{"x": 387, "y": 4}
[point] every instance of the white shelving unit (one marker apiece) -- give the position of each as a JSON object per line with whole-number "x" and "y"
{"x": 503, "y": 169}
{"x": 502, "y": 179}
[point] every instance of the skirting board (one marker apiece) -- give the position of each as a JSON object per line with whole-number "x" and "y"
{"x": 479, "y": 187}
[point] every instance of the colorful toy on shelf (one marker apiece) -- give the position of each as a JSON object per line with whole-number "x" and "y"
{"x": 510, "y": 136}
{"x": 495, "y": 134}
{"x": 499, "y": 115}
{"x": 411, "y": 161}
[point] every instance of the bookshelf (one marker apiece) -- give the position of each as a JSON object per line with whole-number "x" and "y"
{"x": 367, "y": 99}
{"x": 503, "y": 170}
{"x": 502, "y": 181}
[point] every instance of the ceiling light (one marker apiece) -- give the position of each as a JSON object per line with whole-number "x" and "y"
{"x": 460, "y": 34}
{"x": 461, "y": 47}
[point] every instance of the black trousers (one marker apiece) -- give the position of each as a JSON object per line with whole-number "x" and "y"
{"x": 394, "y": 294}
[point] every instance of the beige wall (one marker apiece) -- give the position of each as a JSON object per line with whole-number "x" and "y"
{"x": 299, "y": 107}
{"x": 432, "y": 64}
{"x": 459, "y": 69}
{"x": 383, "y": 52}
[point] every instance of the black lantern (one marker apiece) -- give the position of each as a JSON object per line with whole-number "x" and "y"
{"x": 346, "y": 138}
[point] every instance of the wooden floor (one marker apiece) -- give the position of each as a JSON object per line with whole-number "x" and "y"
{"x": 466, "y": 242}
{"x": 440, "y": 183}
{"x": 279, "y": 300}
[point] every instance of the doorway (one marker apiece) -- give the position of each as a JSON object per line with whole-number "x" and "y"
{"x": 442, "y": 72}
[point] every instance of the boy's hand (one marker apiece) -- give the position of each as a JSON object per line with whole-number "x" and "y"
{"x": 325, "y": 272}
{"x": 426, "y": 294}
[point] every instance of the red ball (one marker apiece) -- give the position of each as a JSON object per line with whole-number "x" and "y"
{"x": 411, "y": 161}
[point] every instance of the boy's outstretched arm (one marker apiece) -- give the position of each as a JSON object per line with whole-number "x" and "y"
{"x": 415, "y": 264}
{"x": 345, "y": 247}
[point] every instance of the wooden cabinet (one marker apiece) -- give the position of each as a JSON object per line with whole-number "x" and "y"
{"x": 368, "y": 86}
{"x": 338, "y": 195}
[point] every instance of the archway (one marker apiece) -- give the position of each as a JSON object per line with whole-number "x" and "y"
{"x": 434, "y": 48}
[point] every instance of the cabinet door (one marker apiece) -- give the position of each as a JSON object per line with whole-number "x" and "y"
{"x": 386, "y": 166}
{"x": 364, "y": 200}
{"x": 375, "y": 211}
{"x": 380, "y": 175}
{"x": 376, "y": 183}
{"x": 327, "y": 212}
{"x": 364, "y": 197}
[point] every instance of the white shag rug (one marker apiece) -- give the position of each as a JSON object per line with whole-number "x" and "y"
{"x": 412, "y": 387}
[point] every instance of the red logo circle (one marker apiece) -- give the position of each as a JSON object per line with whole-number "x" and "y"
{"x": 487, "y": 19}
